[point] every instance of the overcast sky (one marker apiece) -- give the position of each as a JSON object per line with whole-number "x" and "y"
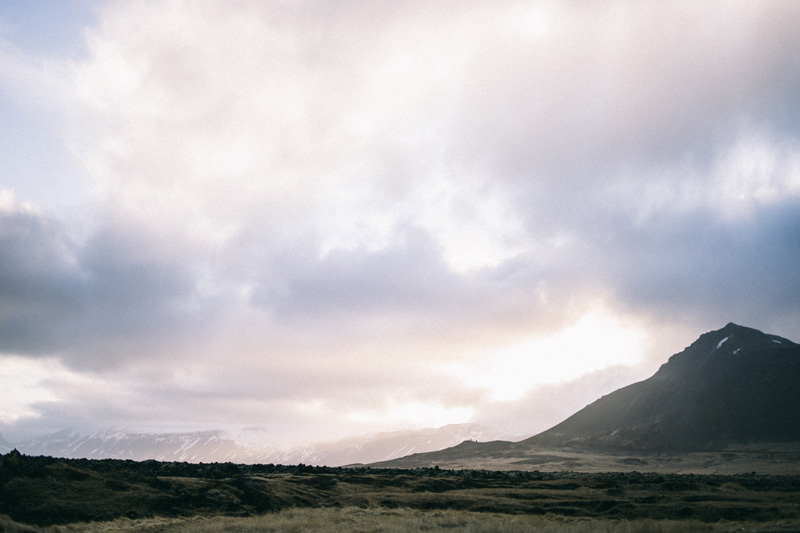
{"x": 329, "y": 218}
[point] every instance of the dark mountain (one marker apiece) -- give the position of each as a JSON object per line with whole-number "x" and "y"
{"x": 735, "y": 385}
{"x": 733, "y": 390}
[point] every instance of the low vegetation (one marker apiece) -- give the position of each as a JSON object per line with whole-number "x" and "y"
{"x": 409, "y": 520}
{"x": 43, "y": 493}
{"x": 401, "y": 520}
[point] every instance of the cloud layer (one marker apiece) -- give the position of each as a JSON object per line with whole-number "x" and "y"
{"x": 331, "y": 217}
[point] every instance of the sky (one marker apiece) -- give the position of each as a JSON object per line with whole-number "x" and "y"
{"x": 330, "y": 218}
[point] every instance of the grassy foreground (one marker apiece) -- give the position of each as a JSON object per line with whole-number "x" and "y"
{"x": 354, "y": 519}
{"x": 59, "y": 495}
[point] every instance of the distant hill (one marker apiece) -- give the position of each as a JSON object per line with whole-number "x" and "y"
{"x": 394, "y": 444}
{"x": 732, "y": 389}
{"x": 248, "y": 447}
{"x": 208, "y": 446}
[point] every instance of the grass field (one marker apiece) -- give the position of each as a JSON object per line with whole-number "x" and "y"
{"x": 59, "y": 495}
{"x": 354, "y": 519}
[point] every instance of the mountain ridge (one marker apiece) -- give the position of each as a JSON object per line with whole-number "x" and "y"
{"x": 732, "y": 390}
{"x": 732, "y": 385}
{"x": 251, "y": 446}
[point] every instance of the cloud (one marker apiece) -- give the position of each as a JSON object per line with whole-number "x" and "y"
{"x": 86, "y": 302}
{"x": 704, "y": 267}
{"x": 611, "y": 87}
{"x": 306, "y": 212}
{"x": 39, "y": 282}
{"x": 546, "y": 405}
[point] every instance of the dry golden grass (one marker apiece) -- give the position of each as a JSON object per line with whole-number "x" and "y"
{"x": 56, "y": 495}
{"x": 7, "y": 525}
{"x": 358, "y": 520}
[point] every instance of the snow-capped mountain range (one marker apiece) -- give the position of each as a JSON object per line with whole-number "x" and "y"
{"x": 248, "y": 446}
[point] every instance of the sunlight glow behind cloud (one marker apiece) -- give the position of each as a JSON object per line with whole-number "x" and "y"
{"x": 27, "y": 383}
{"x": 413, "y": 414}
{"x": 596, "y": 340}
{"x": 358, "y": 216}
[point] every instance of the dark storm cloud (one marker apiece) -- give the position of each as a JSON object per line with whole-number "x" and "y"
{"x": 406, "y": 293}
{"x": 40, "y": 284}
{"x": 87, "y": 302}
{"x": 407, "y": 277}
{"x": 701, "y": 266}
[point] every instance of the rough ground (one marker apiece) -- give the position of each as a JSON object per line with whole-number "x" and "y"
{"x": 44, "y": 491}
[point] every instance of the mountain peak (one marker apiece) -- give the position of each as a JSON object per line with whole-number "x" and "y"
{"x": 750, "y": 333}
{"x": 732, "y": 385}
{"x": 734, "y": 388}
{"x": 717, "y": 346}
{"x": 732, "y": 328}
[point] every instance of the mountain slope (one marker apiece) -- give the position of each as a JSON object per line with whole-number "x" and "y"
{"x": 735, "y": 385}
{"x": 391, "y": 445}
{"x": 733, "y": 390}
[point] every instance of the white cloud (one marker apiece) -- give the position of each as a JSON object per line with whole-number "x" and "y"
{"x": 207, "y": 146}
{"x": 597, "y": 340}
{"x": 213, "y": 120}
{"x": 9, "y": 203}
{"x": 755, "y": 173}
{"x": 25, "y": 385}
{"x": 411, "y": 414}
{"x": 322, "y": 205}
